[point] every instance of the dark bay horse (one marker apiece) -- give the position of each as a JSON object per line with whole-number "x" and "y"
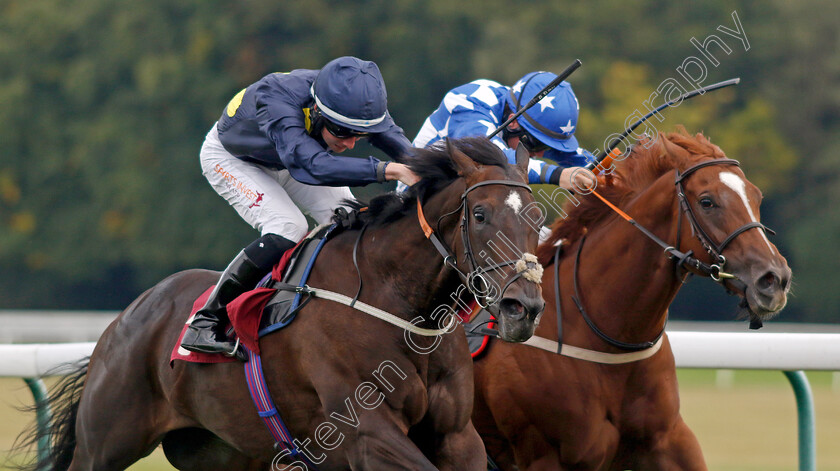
{"x": 352, "y": 391}
{"x": 610, "y": 407}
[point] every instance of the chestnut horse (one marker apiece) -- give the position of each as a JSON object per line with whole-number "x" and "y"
{"x": 353, "y": 392}
{"x": 609, "y": 401}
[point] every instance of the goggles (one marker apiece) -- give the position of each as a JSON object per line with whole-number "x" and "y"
{"x": 531, "y": 143}
{"x": 336, "y": 130}
{"x": 341, "y": 132}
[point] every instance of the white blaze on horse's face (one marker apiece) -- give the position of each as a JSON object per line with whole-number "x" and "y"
{"x": 739, "y": 187}
{"x": 514, "y": 202}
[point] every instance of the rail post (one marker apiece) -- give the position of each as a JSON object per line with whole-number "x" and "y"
{"x": 806, "y": 420}
{"x": 43, "y": 414}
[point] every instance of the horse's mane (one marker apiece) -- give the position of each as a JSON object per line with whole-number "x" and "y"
{"x": 436, "y": 170}
{"x": 647, "y": 161}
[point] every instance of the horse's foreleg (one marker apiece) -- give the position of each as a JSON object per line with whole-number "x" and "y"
{"x": 677, "y": 450}
{"x": 461, "y": 450}
{"x": 381, "y": 445}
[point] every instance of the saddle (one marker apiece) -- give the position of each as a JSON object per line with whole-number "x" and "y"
{"x": 270, "y": 306}
{"x": 281, "y": 309}
{"x": 275, "y": 302}
{"x": 479, "y": 332}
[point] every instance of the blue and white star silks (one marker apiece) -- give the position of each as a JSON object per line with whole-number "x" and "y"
{"x": 568, "y": 128}
{"x": 454, "y": 100}
{"x": 546, "y": 103}
{"x": 477, "y": 109}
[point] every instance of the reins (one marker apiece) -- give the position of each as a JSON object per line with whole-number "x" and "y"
{"x": 636, "y": 352}
{"x": 633, "y": 347}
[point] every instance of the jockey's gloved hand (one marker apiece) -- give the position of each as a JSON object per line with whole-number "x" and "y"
{"x": 401, "y": 172}
{"x": 576, "y": 178}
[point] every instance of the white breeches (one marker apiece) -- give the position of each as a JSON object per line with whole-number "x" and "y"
{"x": 267, "y": 199}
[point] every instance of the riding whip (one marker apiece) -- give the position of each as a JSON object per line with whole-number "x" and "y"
{"x": 539, "y": 96}
{"x": 610, "y": 153}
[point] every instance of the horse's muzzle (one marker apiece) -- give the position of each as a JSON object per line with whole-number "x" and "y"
{"x": 518, "y": 317}
{"x": 764, "y": 286}
{"x": 767, "y": 293}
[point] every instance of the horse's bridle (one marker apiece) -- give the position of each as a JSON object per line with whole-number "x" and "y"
{"x": 715, "y": 250}
{"x": 713, "y": 270}
{"x": 476, "y": 272}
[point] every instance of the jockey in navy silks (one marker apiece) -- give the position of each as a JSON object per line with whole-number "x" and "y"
{"x": 546, "y": 129}
{"x": 274, "y": 148}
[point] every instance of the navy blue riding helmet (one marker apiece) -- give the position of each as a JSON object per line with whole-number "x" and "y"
{"x": 351, "y": 98}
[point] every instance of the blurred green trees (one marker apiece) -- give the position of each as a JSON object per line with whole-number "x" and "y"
{"x": 104, "y": 107}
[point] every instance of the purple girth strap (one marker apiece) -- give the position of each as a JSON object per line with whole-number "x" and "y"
{"x": 265, "y": 409}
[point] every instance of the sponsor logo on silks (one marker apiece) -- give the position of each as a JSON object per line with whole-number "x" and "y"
{"x": 257, "y": 202}
{"x": 236, "y": 185}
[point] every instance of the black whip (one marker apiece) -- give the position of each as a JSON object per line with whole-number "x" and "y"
{"x": 539, "y": 96}
{"x": 618, "y": 140}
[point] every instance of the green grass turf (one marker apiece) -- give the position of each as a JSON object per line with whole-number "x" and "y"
{"x": 748, "y": 423}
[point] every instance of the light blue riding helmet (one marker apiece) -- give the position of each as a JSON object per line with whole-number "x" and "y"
{"x": 553, "y": 120}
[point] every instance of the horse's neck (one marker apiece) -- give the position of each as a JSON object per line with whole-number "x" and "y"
{"x": 407, "y": 263}
{"x": 626, "y": 282}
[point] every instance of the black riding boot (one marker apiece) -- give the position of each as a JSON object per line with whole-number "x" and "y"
{"x": 205, "y": 333}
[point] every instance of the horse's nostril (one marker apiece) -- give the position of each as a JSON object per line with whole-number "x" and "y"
{"x": 512, "y": 307}
{"x": 535, "y": 309}
{"x": 770, "y": 281}
{"x": 786, "y": 276}
{"x": 525, "y": 308}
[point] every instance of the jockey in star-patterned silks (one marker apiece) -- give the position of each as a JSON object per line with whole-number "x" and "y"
{"x": 274, "y": 148}
{"x": 546, "y": 129}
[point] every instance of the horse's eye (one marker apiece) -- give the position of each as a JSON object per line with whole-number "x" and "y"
{"x": 478, "y": 214}
{"x": 707, "y": 203}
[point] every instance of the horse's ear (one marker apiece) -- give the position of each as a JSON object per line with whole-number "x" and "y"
{"x": 523, "y": 158}
{"x": 677, "y": 152}
{"x": 463, "y": 163}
